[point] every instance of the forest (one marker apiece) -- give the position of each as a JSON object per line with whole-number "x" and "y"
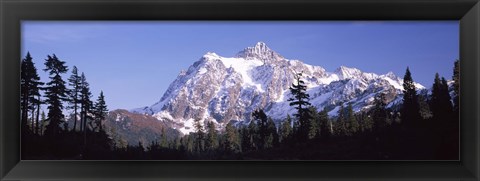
{"x": 423, "y": 127}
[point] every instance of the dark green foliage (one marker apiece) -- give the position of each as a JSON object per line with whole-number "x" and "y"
{"x": 410, "y": 110}
{"x": 379, "y": 113}
{"x": 199, "y": 135}
{"x": 425, "y": 111}
{"x": 324, "y": 124}
{"x": 55, "y": 93}
{"x": 271, "y": 138}
{"x": 286, "y": 130}
{"x": 365, "y": 120}
{"x": 440, "y": 103}
{"x": 444, "y": 118}
{"x": 163, "y": 137}
{"x": 369, "y": 135}
{"x": 352, "y": 123}
{"x": 312, "y": 118}
{"x": 86, "y": 105}
{"x": 100, "y": 111}
{"x": 212, "y": 136}
{"x": 456, "y": 85}
{"x": 300, "y": 102}
{"x": 231, "y": 139}
{"x": 253, "y": 136}
{"x": 300, "y": 97}
{"x": 261, "y": 120}
{"x": 74, "y": 93}
{"x": 340, "y": 124}
{"x": 30, "y": 86}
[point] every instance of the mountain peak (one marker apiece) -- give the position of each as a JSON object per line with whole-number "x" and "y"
{"x": 259, "y": 51}
{"x": 346, "y": 72}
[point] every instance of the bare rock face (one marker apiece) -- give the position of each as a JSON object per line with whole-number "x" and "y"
{"x": 222, "y": 89}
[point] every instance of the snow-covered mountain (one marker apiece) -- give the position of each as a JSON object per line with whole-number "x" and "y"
{"x": 223, "y": 89}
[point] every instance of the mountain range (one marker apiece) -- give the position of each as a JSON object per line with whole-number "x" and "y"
{"x": 223, "y": 89}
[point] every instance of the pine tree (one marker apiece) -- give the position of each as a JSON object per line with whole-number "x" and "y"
{"x": 379, "y": 113}
{"x": 86, "y": 104}
{"x": 300, "y": 102}
{"x": 456, "y": 85}
{"x": 272, "y": 134}
{"x": 261, "y": 119}
{"x": 44, "y": 123}
{"x": 199, "y": 135}
{"x": 37, "y": 124}
{"x": 323, "y": 123}
{"x": 425, "y": 111}
{"x": 311, "y": 123}
{"x": 245, "y": 138}
{"x": 56, "y": 93}
{"x": 29, "y": 88}
{"x": 296, "y": 130}
{"x": 212, "y": 136}
{"x": 163, "y": 136}
{"x": 352, "y": 121}
{"x": 74, "y": 93}
{"x": 341, "y": 128}
{"x": 231, "y": 139}
{"x": 100, "y": 110}
{"x": 286, "y": 130}
{"x": 410, "y": 110}
{"x": 440, "y": 101}
{"x": 253, "y": 136}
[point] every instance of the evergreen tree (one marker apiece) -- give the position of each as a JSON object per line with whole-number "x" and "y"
{"x": 323, "y": 123}
{"x": 272, "y": 134}
{"x": 379, "y": 113}
{"x": 300, "y": 102}
{"x": 440, "y": 100}
{"x": 253, "y": 136}
{"x": 286, "y": 130}
{"x": 75, "y": 82}
{"x": 86, "y": 104}
{"x": 425, "y": 111}
{"x": 245, "y": 138}
{"x": 44, "y": 123}
{"x": 296, "y": 130}
{"x": 29, "y": 89}
{"x": 311, "y": 123}
{"x": 199, "y": 135}
{"x": 163, "y": 137}
{"x": 410, "y": 110}
{"x": 37, "y": 124}
{"x": 352, "y": 121}
{"x": 212, "y": 136}
{"x": 100, "y": 111}
{"x": 341, "y": 128}
{"x": 231, "y": 138}
{"x": 365, "y": 120}
{"x": 456, "y": 85}
{"x": 56, "y": 93}
{"x": 261, "y": 119}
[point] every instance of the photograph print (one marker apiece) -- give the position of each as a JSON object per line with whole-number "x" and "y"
{"x": 240, "y": 90}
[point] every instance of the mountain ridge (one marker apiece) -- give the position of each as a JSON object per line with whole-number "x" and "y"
{"x": 224, "y": 89}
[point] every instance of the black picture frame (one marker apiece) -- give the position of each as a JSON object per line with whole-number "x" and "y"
{"x": 12, "y": 12}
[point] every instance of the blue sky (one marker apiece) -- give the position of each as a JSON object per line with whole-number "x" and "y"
{"x": 134, "y": 62}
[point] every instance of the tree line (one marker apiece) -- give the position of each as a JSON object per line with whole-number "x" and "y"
{"x": 40, "y": 131}
{"x": 424, "y": 126}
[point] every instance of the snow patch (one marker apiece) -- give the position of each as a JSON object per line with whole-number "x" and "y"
{"x": 244, "y": 68}
{"x": 202, "y": 70}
